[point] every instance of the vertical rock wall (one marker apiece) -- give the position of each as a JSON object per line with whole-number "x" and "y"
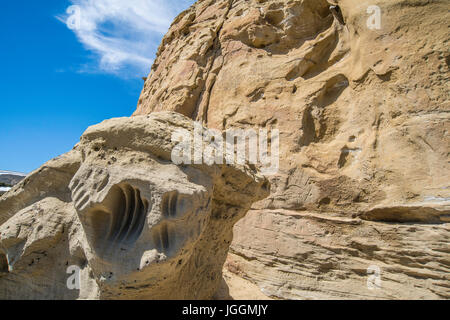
{"x": 363, "y": 116}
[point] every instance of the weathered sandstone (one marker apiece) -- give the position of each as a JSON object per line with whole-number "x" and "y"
{"x": 135, "y": 224}
{"x": 363, "y": 116}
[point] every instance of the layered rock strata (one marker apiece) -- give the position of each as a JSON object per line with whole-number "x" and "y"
{"x": 359, "y": 92}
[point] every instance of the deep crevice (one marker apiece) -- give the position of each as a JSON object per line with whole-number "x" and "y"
{"x": 4, "y": 267}
{"x": 161, "y": 238}
{"x": 169, "y": 204}
{"x": 119, "y": 219}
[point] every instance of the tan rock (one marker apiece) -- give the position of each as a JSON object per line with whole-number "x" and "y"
{"x": 136, "y": 225}
{"x": 363, "y": 115}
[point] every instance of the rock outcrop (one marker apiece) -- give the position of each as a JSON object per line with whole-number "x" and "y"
{"x": 123, "y": 217}
{"x": 360, "y": 95}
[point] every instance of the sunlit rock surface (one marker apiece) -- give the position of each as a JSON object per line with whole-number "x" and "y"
{"x": 118, "y": 209}
{"x": 363, "y": 115}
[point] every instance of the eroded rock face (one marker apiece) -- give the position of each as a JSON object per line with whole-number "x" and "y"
{"x": 116, "y": 207}
{"x": 363, "y": 119}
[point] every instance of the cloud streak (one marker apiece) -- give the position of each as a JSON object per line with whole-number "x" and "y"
{"x": 123, "y": 35}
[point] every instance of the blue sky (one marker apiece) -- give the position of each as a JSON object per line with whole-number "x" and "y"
{"x": 56, "y": 81}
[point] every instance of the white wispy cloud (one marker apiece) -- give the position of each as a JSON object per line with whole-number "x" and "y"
{"x": 123, "y": 34}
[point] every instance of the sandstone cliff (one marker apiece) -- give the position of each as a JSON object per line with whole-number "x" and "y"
{"x": 363, "y": 115}
{"x": 363, "y": 184}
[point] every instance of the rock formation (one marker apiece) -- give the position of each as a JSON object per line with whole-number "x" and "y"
{"x": 359, "y": 92}
{"x": 118, "y": 211}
